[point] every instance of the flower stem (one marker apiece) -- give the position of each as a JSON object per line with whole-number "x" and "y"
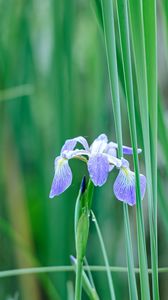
{"x": 78, "y": 284}
{"x": 81, "y": 220}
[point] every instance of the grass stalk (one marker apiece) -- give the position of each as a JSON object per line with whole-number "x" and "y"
{"x": 109, "y": 32}
{"x": 143, "y": 26}
{"x": 110, "y": 281}
{"x": 122, "y": 10}
{"x": 60, "y": 269}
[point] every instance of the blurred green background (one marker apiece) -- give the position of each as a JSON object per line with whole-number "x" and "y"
{"x": 53, "y": 86}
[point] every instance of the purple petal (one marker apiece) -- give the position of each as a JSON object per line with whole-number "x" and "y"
{"x": 125, "y": 163}
{"x": 71, "y": 143}
{"x": 111, "y": 149}
{"x": 62, "y": 178}
{"x": 99, "y": 144}
{"x": 68, "y": 154}
{"x": 114, "y": 161}
{"x": 98, "y": 167}
{"x": 102, "y": 137}
{"x": 129, "y": 150}
{"x": 126, "y": 150}
{"x": 124, "y": 186}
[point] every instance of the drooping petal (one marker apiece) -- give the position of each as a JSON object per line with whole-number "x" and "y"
{"x": 129, "y": 150}
{"x": 71, "y": 143}
{"x": 99, "y": 144}
{"x": 111, "y": 149}
{"x": 62, "y": 177}
{"x": 98, "y": 167}
{"x": 126, "y": 150}
{"x": 124, "y": 186}
{"x": 68, "y": 154}
{"x": 114, "y": 161}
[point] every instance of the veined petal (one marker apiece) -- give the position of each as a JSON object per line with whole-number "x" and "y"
{"x": 71, "y": 143}
{"x": 99, "y": 144}
{"x": 62, "y": 177}
{"x": 124, "y": 186}
{"x": 98, "y": 167}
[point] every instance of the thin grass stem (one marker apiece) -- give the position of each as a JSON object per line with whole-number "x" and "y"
{"x": 110, "y": 281}
{"x": 57, "y": 269}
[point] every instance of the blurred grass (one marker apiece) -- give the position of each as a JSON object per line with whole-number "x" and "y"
{"x": 53, "y": 86}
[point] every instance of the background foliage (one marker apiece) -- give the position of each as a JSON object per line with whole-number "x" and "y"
{"x": 54, "y": 85}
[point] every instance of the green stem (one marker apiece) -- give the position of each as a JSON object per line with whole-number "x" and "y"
{"x": 110, "y": 281}
{"x": 81, "y": 224}
{"x": 78, "y": 284}
{"x": 53, "y": 269}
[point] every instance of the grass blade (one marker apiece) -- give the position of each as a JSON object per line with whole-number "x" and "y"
{"x": 109, "y": 277}
{"x": 144, "y": 70}
{"x": 108, "y": 18}
{"x": 122, "y": 10}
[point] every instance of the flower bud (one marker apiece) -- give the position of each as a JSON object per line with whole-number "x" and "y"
{"x": 82, "y": 234}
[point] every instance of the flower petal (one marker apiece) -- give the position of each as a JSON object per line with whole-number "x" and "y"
{"x": 124, "y": 186}
{"x": 99, "y": 144}
{"x": 98, "y": 167}
{"x": 129, "y": 150}
{"x": 68, "y": 154}
{"x": 62, "y": 178}
{"x": 71, "y": 143}
{"x": 111, "y": 149}
{"x": 126, "y": 150}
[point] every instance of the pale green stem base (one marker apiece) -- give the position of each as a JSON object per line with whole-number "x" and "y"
{"x": 78, "y": 284}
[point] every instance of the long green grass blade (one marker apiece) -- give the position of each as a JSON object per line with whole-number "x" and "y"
{"x": 150, "y": 31}
{"x": 108, "y": 19}
{"x": 122, "y": 10}
{"x": 146, "y": 70}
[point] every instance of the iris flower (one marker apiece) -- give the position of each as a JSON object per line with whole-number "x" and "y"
{"x": 101, "y": 158}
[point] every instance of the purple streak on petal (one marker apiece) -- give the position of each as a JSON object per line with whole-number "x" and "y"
{"x": 73, "y": 260}
{"x": 99, "y": 144}
{"x": 98, "y": 167}
{"x": 71, "y": 143}
{"x": 62, "y": 178}
{"x": 124, "y": 186}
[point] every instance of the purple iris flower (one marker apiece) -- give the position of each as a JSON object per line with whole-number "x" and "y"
{"x": 101, "y": 158}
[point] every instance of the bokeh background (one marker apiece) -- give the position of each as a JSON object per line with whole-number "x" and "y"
{"x": 54, "y": 85}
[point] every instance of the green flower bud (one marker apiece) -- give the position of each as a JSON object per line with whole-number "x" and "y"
{"x": 82, "y": 234}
